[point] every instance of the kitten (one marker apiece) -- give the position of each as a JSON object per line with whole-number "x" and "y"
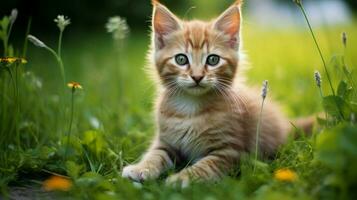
{"x": 205, "y": 115}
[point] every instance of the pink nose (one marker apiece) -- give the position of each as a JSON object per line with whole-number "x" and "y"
{"x": 197, "y": 79}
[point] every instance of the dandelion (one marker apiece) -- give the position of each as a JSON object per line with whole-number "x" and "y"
{"x": 7, "y": 60}
{"x": 62, "y": 22}
{"x": 13, "y": 16}
{"x": 318, "y": 78}
{"x": 264, "y": 95}
{"x": 344, "y": 39}
{"x": 11, "y": 60}
{"x": 286, "y": 175}
{"x": 73, "y": 85}
{"x": 57, "y": 183}
{"x": 34, "y": 40}
{"x": 118, "y": 27}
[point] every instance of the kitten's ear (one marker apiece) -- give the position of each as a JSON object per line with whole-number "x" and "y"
{"x": 164, "y": 22}
{"x": 229, "y": 23}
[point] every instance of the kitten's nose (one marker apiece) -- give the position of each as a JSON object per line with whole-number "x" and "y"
{"x": 197, "y": 79}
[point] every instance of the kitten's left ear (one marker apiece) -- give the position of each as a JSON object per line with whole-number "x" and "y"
{"x": 229, "y": 23}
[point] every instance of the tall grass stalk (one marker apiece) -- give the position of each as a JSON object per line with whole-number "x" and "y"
{"x": 300, "y": 5}
{"x": 257, "y": 134}
{"x": 8, "y": 29}
{"x": 24, "y": 48}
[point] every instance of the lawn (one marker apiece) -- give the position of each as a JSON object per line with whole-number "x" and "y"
{"x": 113, "y": 122}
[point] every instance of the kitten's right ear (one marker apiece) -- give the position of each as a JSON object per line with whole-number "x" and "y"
{"x": 164, "y": 22}
{"x": 229, "y": 23}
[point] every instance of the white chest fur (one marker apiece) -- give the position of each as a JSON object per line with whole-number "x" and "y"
{"x": 187, "y": 131}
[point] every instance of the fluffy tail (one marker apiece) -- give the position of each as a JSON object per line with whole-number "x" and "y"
{"x": 305, "y": 125}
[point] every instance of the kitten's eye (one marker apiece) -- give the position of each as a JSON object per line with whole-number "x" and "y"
{"x": 181, "y": 59}
{"x": 212, "y": 60}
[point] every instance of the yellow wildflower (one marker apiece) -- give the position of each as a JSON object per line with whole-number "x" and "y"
{"x": 57, "y": 183}
{"x": 74, "y": 85}
{"x": 23, "y": 60}
{"x": 10, "y": 60}
{"x": 285, "y": 175}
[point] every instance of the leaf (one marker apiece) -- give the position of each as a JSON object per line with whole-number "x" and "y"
{"x": 4, "y": 23}
{"x": 2, "y": 35}
{"x": 94, "y": 141}
{"x": 94, "y": 181}
{"x": 74, "y": 147}
{"x": 346, "y": 71}
{"x": 336, "y": 106}
{"x": 73, "y": 170}
{"x": 342, "y": 89}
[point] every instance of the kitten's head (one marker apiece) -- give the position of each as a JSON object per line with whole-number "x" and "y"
{"x": 195, "y": 56}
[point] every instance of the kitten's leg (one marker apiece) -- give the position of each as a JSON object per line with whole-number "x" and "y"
{"x": 154, "y": 162}
{"x": 210, "y": 168}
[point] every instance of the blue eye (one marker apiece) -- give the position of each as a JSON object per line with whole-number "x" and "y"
{"x": 181, "y": 59}
{"x": 213, "y": 60}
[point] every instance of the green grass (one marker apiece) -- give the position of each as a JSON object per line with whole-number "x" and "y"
{"x": 113, "y": 120}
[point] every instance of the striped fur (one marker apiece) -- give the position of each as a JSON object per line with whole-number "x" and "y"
{"x": 210, "y": 126}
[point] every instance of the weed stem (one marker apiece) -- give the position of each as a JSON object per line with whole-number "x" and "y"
{"x": 70, "y": 123}
{"x": 60, "y": 63}
{"x": 258, "y": 134}
{"x": 59, "y": 44}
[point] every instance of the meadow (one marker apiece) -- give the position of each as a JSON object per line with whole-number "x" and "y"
{"x": 61, "y": 142}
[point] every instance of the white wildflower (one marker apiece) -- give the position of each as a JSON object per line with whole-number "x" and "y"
{"x": 62, "y": 22}
{"x": 118, "y": 27}
{"x": 94, "y": 122}
{"x": 34, "y": 40}
{"x": 13, "y": 16}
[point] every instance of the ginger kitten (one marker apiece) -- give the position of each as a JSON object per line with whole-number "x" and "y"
{"x": 204, "y": 115}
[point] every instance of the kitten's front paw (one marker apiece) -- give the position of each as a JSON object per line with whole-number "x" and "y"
{"x": 138, "y": 173}
{"x": 178, "y": 180}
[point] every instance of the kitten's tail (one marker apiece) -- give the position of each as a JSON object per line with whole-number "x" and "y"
{"x": 304, "y": 124}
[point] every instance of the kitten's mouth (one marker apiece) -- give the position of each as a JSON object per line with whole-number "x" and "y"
{"x": 196, "y": 86}
{"x": 196, "y": 89}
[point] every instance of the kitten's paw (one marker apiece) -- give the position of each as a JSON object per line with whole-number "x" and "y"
{"x": 138, "y": 173}
{"x": 178, "y": 180}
